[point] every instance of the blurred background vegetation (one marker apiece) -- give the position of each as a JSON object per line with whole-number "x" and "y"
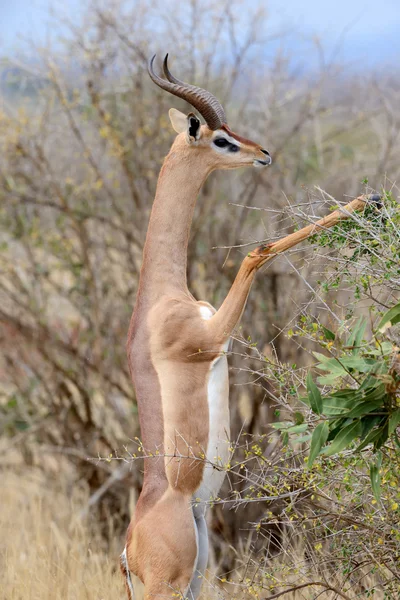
{"x": 83, "y": 133}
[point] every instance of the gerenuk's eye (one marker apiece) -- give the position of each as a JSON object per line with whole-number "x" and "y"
{"x": 221, "y": 142}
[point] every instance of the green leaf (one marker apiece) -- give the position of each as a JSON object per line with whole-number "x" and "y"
{"x": 344, "y": 438}
{"x": 305, "y": 399}
{"x": 281, "y": 425}
{"x": 369, "y": 423}
{"x": 384, "y": 349}
{"x": 363, "y": 409}
{"x": 332, "y": 366}
{"x": 329, "y": 363}
{"x": 336, "y": 405}
{"x": 314, "y": 395}
{"x": 341, "y": 367}
{"x": 376, "y": 393}
{"x": 319, "y": 437}
{"x": 375, "y": 481}
{"x": 302, "y": 439}
{"x": 298, "y": 428}
{"x": 356, "y": 335}
{"x": 370, "y": 382}
{"x": 371, "y": 438}
{"x": 336, "y": 426}
{"x": 364, "y": 365}
{"x": 299, "y": 418}
{"x": 383, "y": 437}
{"x": 329, "y": 335}
{"x": 348, "y": 394}
{"x": 331, "y": 379}
{"x": 394, "y": 421}
{"x": 321, "y": 357}
{"x": 391, "y": 317}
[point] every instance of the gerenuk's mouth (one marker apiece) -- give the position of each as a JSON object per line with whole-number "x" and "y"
{"x": 262, "y": 163}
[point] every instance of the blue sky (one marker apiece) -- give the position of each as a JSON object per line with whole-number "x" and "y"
{"x": 370, "y": 28}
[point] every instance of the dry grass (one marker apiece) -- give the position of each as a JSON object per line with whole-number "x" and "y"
{"x": 47, "y": 552}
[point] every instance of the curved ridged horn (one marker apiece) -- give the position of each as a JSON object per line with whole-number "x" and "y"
{"x": 203, "y": 101}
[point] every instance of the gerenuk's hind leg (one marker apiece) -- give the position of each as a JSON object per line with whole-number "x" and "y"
{"x": 202, "y": 553}
{"x": 163, "y": 548}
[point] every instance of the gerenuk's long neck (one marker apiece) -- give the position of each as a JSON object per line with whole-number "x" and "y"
{"x": 165, "y": 250}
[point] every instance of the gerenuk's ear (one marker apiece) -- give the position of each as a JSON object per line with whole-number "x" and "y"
{"x": 178, "y": 120}
{"x": 185, "y": 123}
{"x": 193, "y": 128}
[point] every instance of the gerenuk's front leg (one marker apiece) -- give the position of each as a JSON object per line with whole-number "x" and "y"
{"x": 222, "y": 324}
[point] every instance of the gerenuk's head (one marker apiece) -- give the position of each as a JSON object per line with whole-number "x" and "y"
{"x": 214, "y": 142}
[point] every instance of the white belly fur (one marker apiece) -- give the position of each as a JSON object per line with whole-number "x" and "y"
{"x": 219, "y": 426}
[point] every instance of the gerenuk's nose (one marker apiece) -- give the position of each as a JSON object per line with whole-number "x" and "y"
{"x": 268, "y": 160}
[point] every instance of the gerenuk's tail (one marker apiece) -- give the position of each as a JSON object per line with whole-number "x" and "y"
{"x": 127, "y": 575}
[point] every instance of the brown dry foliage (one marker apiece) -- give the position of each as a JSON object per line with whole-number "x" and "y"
{"x": 83, "y": 133}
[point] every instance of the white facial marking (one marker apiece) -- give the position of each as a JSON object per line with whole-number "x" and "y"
{"x": 227, "y": 137}
{"x": 230, "y": 140}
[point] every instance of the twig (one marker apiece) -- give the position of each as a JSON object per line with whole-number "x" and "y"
{"x": 303, "y": 585}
